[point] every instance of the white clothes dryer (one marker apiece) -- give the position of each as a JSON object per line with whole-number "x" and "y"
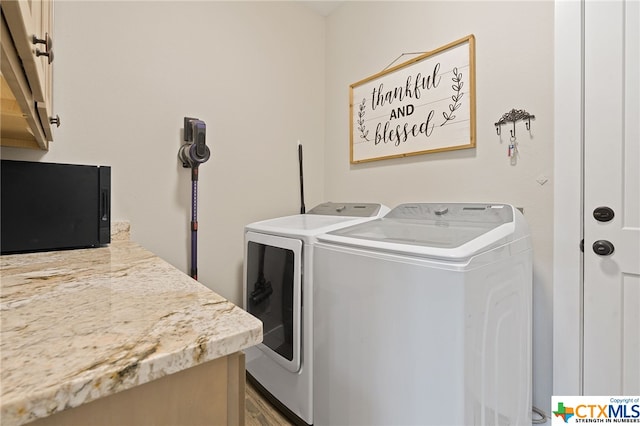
{"x": 278, "y": 289}
{"x": 423, "y": 317}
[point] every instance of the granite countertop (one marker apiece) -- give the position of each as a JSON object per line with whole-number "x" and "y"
{"x": 78, "y": 325}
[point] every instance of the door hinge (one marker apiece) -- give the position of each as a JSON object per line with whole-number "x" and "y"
{"x": 582, "y": 246}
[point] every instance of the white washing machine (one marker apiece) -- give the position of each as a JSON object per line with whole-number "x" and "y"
{"x": 278, "y": 290}
{"x": 423, "y": 317}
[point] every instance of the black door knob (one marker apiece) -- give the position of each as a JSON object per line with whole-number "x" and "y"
{"x": 603, "y": 248}
{"x": 603, "y": 214}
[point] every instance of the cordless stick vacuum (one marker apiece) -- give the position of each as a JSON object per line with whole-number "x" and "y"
{"x": 193, "y": 153}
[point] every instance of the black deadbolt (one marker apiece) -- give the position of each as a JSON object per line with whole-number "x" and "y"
{"x": 603, "y": 214}
{"x": 603, "y": 248}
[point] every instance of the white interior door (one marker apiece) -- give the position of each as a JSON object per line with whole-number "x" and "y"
{"x": 611, "y": 363}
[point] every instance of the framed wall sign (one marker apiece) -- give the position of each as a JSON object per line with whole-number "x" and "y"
{"x": 424, "y": 105}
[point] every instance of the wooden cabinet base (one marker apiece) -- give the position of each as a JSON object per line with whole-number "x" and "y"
{"x": 208, "y": 394}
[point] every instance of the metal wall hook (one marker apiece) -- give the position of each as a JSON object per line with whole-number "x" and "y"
{"x": 513, "y": 116}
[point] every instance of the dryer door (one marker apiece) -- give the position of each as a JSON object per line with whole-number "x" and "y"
{"x": 272, "y": 293}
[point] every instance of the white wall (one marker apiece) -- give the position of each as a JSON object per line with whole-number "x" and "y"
{"x": 126, "y": 73}
{"x": 514, "y": 69}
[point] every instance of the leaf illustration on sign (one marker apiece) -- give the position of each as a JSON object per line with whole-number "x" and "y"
{"x": 361, "y": 127}
{"x": 457, "y": 88}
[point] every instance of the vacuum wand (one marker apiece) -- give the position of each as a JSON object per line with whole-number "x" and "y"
{"x": 194, "y": 222}
{"x": 193, "y": 153}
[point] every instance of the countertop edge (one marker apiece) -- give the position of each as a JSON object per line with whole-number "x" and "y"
{"x": 79, "y": 390}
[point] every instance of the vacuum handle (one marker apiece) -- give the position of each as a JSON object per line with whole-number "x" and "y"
{"x": 201, "y": 152}
{"x": 195, "y": 150}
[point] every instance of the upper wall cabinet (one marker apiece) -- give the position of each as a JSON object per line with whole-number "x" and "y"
{"x": 27, "y": 73}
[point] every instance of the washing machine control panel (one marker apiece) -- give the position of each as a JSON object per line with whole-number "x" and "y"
{"x": 346, "y": 209}
{"x": 463, "y": 212}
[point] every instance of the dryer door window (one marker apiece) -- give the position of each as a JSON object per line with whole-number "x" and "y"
{"x": 272, "y": 294}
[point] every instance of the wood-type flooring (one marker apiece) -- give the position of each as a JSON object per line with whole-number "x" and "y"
{"x": 259, "y": 412}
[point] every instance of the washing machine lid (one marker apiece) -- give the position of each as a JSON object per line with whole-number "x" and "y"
{"x": 349, "y": 209}
{"x": 453, "y": 231}
{"x": 323, "y": 218}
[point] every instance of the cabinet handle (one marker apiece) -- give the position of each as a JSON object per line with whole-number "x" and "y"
{"x": 47, "y": 41}
{"x": 48, "y": 45}
{"x": 48, "y": 53}
{"x": 55, "y": 120}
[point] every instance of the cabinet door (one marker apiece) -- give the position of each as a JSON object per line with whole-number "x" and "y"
{"x": 20, "y": 120}
{"x": 25, "y": 21}
{"x": 29, "y": 21}
{"x": 45, "y": 108}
